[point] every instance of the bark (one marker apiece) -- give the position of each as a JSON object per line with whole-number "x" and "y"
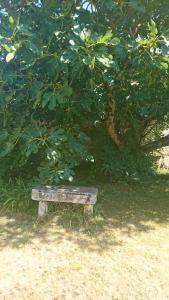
{"x": 110, "y": 123}
{"x": 162, "y": 142}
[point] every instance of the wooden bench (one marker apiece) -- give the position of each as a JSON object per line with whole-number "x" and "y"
{"x": 68, "y": 194}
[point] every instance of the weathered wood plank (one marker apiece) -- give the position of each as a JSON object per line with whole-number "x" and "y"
{"x": 88, "y": 210}
{"x": 42, "y": 209}
{"x": 69, "y": 194}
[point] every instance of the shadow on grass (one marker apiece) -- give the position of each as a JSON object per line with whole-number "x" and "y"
{"x": 122, "y": 209}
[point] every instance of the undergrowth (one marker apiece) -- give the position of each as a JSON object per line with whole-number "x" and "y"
{"x": 15, "y": 196}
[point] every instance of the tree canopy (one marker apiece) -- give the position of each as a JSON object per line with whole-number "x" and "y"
{"x": 79, "y": 80}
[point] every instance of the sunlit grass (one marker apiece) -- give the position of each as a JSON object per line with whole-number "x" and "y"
{"x": 121, "y": 253}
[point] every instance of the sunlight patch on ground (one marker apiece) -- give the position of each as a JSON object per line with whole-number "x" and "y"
{"x": 122, "y": 253}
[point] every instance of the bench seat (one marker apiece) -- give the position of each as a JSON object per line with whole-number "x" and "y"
{"x": 68, "y": 194}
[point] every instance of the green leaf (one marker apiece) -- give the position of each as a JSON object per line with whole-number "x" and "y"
{"x": 60, "y": 99}
{"x": 32, "y": 148}
{"x": 10, "y": 56}
{"x": 6, "y": 149}
{"x": 11, "y": 20}
{"x": 67, "y": 90}
{"x": 152, "y": 28}
{"x": 104, "y": 39}
{"x": 50, "y": 100}
{"x": 3, "y": 135}
{"x": 164, "y": 65}
{"x": 115, "y": 41}
{"x": 52, "y": 103}
{"x": 6, "y": 47}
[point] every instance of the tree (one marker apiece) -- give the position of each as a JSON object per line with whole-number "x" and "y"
{"x": 78, "y": 73}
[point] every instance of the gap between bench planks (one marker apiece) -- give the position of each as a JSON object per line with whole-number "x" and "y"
{"x": 68, "y": 194}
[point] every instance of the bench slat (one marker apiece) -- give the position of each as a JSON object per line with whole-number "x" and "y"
{"x": 69, "y": 194}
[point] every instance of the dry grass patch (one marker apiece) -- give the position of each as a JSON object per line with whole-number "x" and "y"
{"x": 122, "y": 253}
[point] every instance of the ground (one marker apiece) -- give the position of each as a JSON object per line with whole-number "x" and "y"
{"x": 122, "y": 253}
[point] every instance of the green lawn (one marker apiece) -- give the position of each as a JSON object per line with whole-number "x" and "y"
{"x": 122, "y": 253}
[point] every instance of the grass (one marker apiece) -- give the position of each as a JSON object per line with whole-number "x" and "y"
{"x": 122, "y": 253}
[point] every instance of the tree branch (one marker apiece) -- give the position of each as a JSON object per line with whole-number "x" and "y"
{"x": 162, "y": 142}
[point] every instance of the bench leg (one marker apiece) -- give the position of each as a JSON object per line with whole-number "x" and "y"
{"x": 42, "y": 209}
{"x": 88, "y": 210}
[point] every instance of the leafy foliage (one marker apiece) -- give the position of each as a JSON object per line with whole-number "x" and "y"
{"x": 60, "y": 62}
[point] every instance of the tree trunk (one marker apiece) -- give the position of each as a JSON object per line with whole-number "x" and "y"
{"x": 110, "y": 123}
{"x": 162, "y": 142}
